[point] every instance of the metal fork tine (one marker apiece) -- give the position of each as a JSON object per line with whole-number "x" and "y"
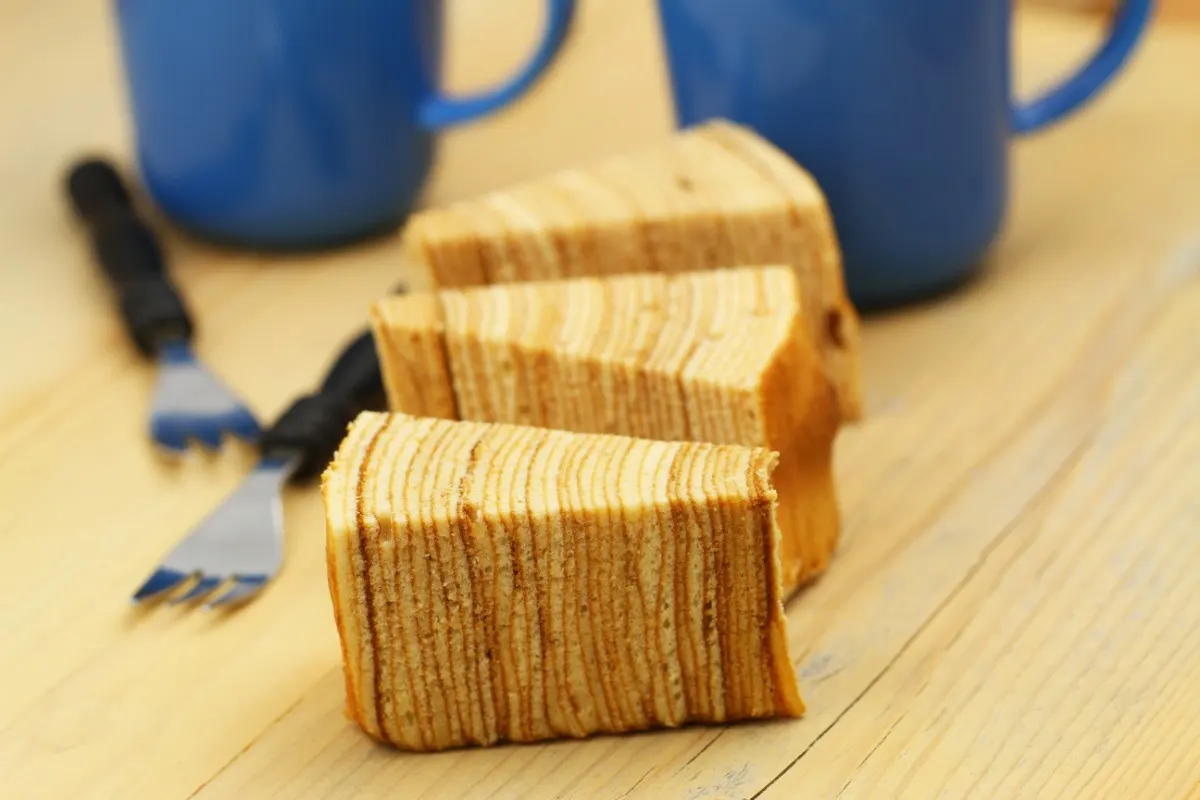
{"x": 232, "y": 553}
{"x": 163, "y": 580}
{"x": 192, "y": 404}
{"x": 242, "y": 589}
{"x": 242, "y": 424}
{"x": 189, "y": 402}
{"x": 169, "y": 434}
{"x": 203, "y": 587}
{"x": 208, "y": 435}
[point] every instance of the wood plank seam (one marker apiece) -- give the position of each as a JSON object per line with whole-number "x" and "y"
{"x": 1102, "y": 362}
{"x": 1073, "y": 241}
{"x": 1028, "y": 512}
{"x": 1179, "y": 267}
{"x": 1101, "y": 348}
{"x": 1128, "y": 329}
{"x": 629, "y": 792}
{"x": 1105, "y": 320}
{"x": 874, "y": 749}
{"x": 254, "y": 739}
{"x": 953, "y": 492}
{"x": 1035, "y": 524}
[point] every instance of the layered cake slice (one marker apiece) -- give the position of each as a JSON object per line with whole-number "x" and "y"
{"x": 723, "y": 356}
{"x": 498, "y": 582}
{"x": 716, "y": 195}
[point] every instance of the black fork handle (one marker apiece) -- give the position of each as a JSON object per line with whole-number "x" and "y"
{"x": 313, "y": 426}
{"x": 130, "y": 255}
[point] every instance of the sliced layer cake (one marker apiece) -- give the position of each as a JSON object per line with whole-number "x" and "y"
{"x": 498, "y": 582}
{"x": 716, "y": 195}
{"x": 723, "y": 356}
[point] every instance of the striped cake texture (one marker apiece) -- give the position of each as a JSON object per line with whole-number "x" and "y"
{"x": 721, "y": 356}
{"x": 498, "y": 582}
{"x": 716, "y": 195}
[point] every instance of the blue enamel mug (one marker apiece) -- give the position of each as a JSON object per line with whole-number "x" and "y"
{"x": 901, "y": 109}
{"x": 295, "y": 123}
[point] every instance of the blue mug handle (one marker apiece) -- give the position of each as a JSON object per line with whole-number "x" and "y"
{"x": 1127, "y": 27}
{"x": 440, "y": 111}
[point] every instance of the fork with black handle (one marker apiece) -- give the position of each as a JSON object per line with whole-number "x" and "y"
{"x": 232, "y": 553}
{"x": 189, "y": 404}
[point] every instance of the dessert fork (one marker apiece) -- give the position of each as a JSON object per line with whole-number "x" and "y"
{"x": 189, "y": 402}
{"x": 239, "y": 547}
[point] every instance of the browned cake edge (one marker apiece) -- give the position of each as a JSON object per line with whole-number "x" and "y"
{"x": 787, "y": 690}
{"x": 462, "y": 252}
{"x": 801, "y": 425}
{"x": 415, "y": 361}
{"x": 341, "y": 571}
{"x": 342, "y": 576}
{"x": 839, "y": 331}
{"x": 409, "y": 340}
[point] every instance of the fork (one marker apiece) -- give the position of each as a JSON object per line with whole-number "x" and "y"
{"x": 189, "y": 402}
{"x": 239, "y": 547}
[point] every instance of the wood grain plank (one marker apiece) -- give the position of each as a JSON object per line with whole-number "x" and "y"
{"x": 1078, "y": 633}
{"x": 912, "y": 511}
{"x": 860, "y": 639}
{"x": 114, "y": 695}
{"x": 977, "y": 406}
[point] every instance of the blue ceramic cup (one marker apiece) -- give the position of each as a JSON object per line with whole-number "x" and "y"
{"x": 295, "y": 123}
{"x": 901, "y": 109}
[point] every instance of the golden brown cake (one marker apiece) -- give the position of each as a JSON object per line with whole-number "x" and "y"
{"x": 716, "y": 195}
{"x": 722, "y": 356}
{"x": 500, "y": 582}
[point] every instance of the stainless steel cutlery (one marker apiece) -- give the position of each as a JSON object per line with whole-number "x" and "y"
{"x": 239, "y": 547}
{"x": 232, "y": 553}
{"x": 189, "y": 403}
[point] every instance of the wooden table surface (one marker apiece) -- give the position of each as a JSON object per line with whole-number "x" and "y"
{"x": 1015, "y": 608}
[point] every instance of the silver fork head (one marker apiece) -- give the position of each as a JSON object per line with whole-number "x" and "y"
{"x": 190, "y": 403}
{"x": 234, "y": 551}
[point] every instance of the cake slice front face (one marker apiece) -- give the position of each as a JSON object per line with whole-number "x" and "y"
{"x": 498, "y": 582}
{"x": 713, "y": 196}
{"x": 721, "y": 356}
